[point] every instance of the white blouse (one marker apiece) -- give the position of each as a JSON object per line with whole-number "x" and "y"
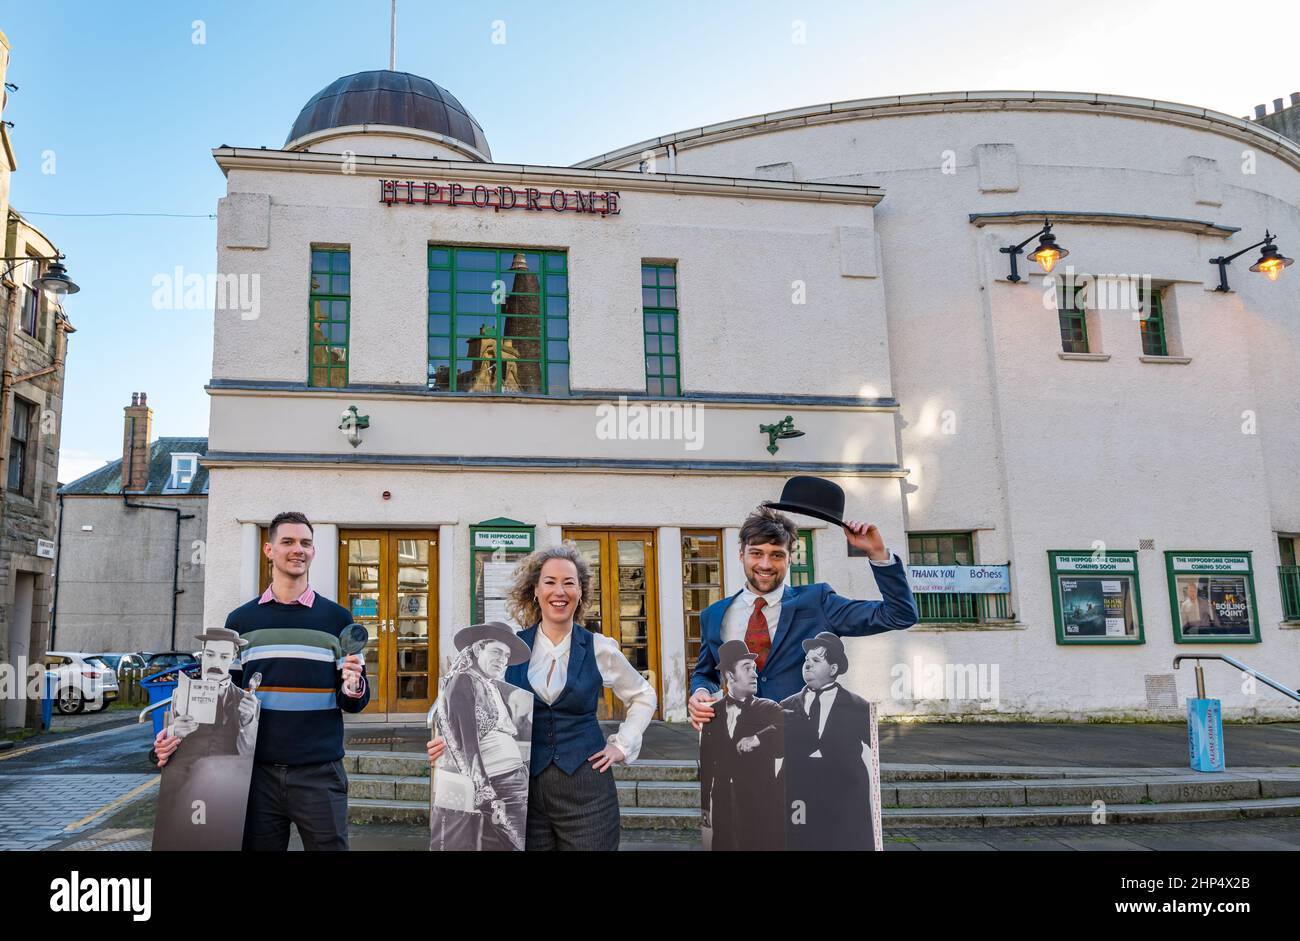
{"x": 548, "y": 670}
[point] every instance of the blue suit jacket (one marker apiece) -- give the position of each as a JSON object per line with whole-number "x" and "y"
{"x": 806, "y": 611}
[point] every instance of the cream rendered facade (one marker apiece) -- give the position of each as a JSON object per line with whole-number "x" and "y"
{"x": 856, "y": 287}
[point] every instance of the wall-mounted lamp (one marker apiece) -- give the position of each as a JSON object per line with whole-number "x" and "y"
{"x": 1270, "y": 264}
{"x": 56, "y": 280}
{"x": 782, "y": 429}
{"x": 351, "y": 425}
{"x": 1047, "y": 254}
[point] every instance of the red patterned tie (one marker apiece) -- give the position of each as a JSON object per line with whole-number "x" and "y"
{"x": 757, "y": 639}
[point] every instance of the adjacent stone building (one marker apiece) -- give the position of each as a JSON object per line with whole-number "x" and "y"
{"x": 131, "y": 555}
{"x": 33, "y": 331}
{"x": 1283, "y": 120}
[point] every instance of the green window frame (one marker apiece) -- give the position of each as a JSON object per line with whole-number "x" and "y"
{"x": 662, "y": 340}
{"x": 1072, "y": 313}
{"x": 330, "y": 312}
{"x": 1082, "y": 577}
{"x": 498, "y": 320}
{"x": 1288, "y": 577}
{"x": 1222, "y": 581}
{"x": 1153, "y": 322}
{"x": 951, "y": 548}
{"x": 801, "y": 560}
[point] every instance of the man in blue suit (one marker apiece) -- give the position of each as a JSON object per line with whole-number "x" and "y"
{"x": 774, "y": 619}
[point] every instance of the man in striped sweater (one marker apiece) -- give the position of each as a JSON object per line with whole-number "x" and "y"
{"x": 293, "y": 641}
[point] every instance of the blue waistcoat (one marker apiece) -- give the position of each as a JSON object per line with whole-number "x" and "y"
{"x": 566, "y": 731}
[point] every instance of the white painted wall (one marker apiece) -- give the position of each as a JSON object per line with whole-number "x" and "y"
{"x": 1044, "y": 453}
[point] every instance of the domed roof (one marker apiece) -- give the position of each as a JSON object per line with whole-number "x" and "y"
{"x": 395, "y": 98}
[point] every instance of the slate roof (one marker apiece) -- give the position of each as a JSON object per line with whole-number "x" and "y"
{"x": 108, "y": 479}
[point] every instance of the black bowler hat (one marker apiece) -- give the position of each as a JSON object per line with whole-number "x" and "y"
{"x": 495, "y": 630}
{"x": 811, "y": 496}
{"x": 834, "y": 648}
{"x": 731, "y": 653}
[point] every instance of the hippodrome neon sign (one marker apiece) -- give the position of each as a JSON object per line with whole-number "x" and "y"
{"x": 497, "y": 198}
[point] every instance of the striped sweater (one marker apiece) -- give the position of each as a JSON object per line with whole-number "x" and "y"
{"x": 296, "y": 649}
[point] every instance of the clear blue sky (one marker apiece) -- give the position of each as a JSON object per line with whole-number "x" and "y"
{"x": 131, "y": 107}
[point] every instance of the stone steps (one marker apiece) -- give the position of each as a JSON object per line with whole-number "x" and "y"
{"x": 895, "y": 818}
{"x": 393, "y": 787}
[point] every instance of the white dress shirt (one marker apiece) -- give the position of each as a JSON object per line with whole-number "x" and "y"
{"x": 735, "y": 622}
{"x": 548, "y": 671}
{"x": 828, "y": 697}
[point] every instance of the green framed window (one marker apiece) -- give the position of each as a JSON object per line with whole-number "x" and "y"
{"x": 1212, "y": 597}
{"x": 662, "y": 348}
{"x": 330, "y": 307}
{"x": 1288, "y": 576}
{"x": 944, "y": 549}
{"x": 801, "y": 560}
{"x": 1153, "y": 322}
{"x": 1096, "y": 598}
{"x": 1072, "y": 312}
{"x": 498, "y": 320}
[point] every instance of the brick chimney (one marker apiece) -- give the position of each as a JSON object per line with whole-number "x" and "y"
{"x": 137, "y": 431}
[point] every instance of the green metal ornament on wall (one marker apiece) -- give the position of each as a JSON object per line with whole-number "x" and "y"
{"x": 351, "y": 424}
{"x": 782, "y": 429}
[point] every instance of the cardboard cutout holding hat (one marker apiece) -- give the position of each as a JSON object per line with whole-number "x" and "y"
{"x": 742, "y": 798}
{"x": 832, "y": 763}
{"x": 203, "y": 797}
{"x": 479, "y": 793}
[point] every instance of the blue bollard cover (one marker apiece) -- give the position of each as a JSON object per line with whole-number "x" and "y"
{"x": 1205, "y": 734}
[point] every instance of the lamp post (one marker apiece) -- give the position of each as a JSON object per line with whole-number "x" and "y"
{"x": 1270, "y": 263}
{"x": 1047, "y": 254}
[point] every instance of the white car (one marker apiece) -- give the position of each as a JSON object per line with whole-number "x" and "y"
{"x": 83, "y": 680}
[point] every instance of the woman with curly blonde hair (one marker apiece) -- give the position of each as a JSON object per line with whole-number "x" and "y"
{"x": 572, "y": 802}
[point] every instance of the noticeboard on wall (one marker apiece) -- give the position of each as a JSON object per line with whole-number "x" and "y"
{"x": 1096, "y": 597}
{"x": 496, "y": 546}
{"x": 1212, "y": 597}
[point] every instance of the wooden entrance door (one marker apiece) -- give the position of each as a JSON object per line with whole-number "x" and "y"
{"x": 626, "y": 603}
{"x": 388, "y": 580}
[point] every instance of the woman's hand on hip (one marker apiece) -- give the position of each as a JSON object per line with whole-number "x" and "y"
{"x": 606, "y": 758}
{"x": 435, "y": 748}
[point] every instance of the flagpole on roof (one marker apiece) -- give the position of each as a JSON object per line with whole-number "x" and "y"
{"x": 392, "y": 39}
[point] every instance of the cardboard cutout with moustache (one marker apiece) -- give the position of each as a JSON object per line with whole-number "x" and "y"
{"x": 203, "y": 797}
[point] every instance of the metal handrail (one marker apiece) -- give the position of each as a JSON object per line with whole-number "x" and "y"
{"x": 1200, "y": 675}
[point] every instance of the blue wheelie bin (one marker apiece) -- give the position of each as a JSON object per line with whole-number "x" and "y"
{"x": 47, "y": 701}
{"x": 160, "y": 686}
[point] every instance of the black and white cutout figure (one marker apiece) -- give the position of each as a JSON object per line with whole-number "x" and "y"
{"x": 741, "y": 793}
{"x": 831, "y": 768}
{"x": 204, "y": 792}
{"x": 480, "y": 782}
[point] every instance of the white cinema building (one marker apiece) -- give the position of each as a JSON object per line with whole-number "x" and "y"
{"x": 451, "y": 361}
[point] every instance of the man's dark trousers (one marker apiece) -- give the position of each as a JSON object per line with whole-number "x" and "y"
{"x": 313, "y": 797}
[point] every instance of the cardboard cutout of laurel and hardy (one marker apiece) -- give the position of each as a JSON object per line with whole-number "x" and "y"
{"x": 801, "y": 774}
{"x": 203, "y": 797}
